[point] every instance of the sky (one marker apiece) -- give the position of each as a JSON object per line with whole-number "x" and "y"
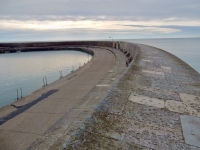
{"x": 65, "y": 20}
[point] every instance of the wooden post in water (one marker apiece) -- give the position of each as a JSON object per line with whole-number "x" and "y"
{"x": 46, "y": 80}
{"x": 60, "y": 73}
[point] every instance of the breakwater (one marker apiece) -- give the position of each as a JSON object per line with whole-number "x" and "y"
{"x": 70, "y": 90}
{"x": 47, "y": 46}
{"x": 153, "y": 105}
{"x": 144, "y": 98}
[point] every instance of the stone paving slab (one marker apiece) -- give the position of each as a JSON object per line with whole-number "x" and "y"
{"x": 149, "y": 114}
{"x": 187, "y": 98}
{"x": 191, "y": 129}
{"x": 156, "y": 93}
{"x": 158, "y": 103}
{"x": 181, "y": 107}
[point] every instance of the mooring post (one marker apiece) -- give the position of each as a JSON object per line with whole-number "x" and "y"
{"x": 60, "y": 73}
{"x": 88, "y": 51}
{"x": 21, "y": 92}
{"x": 46, "y": 80}
{"x": 17, "y": 94}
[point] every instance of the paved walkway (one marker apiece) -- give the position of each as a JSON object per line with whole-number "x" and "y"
{"x": 155, "y": 105}
{"x": 23, "y": 129}
{"x": 62, "y": 130}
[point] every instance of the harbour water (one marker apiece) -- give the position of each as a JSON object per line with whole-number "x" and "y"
{"x": 26, "y": 71}
{"x": 187, "y": 49}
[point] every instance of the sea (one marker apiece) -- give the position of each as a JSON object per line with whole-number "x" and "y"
{"x": 24, "y": 72}
{"x": 29, "y": 71}
{"x": 187, "y": 49}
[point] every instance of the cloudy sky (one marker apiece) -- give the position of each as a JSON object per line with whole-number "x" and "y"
{"x": 55, "y": 20}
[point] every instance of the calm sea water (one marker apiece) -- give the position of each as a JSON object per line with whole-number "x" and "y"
{"x": 187, "y": 49}
{"x": 26, "y": 70}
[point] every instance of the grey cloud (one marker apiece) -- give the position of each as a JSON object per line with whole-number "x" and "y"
{"x": 97, "y": 10}
{"x": 92, "y": 9}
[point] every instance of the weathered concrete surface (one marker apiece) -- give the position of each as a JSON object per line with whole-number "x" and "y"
{"x": 163, "y": 115}
{"x": 19, "y": 132}
{"x": 61, "y": 131}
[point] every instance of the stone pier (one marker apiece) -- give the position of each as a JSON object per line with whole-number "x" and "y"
{"x": 128, "y": 97}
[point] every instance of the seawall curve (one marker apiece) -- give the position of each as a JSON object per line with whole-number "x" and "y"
{"x": 148, "y": 105}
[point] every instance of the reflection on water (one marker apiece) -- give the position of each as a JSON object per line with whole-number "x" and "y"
{"x": 27, "y": 70}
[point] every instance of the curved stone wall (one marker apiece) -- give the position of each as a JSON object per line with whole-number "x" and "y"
{"x": 153, "y": 103}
